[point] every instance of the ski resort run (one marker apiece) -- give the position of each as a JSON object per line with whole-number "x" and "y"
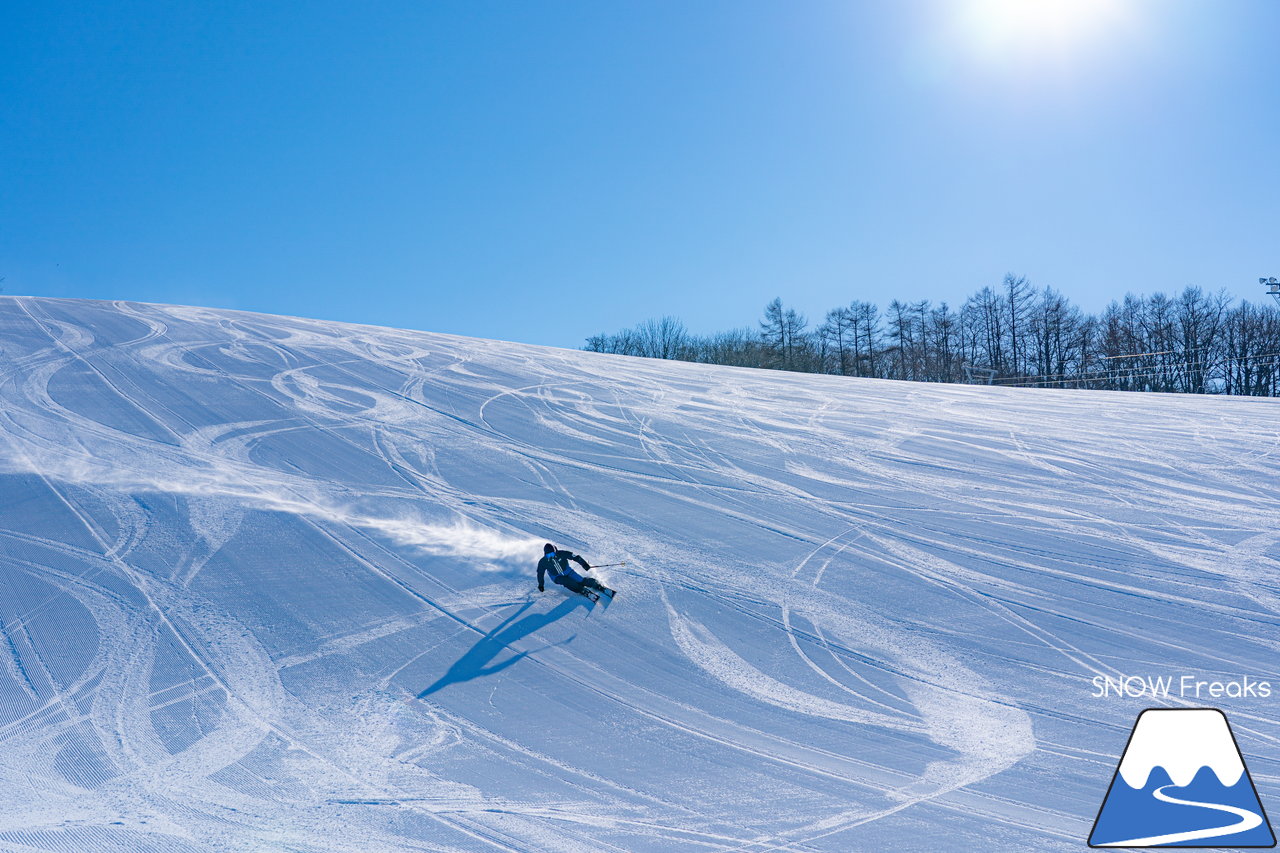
{"x": 269, "y": 584}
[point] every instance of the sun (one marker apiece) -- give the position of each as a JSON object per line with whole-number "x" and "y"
{"x": 1034, "y": 24}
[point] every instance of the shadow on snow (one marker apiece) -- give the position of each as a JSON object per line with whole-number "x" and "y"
{"x": 476, "y": 662}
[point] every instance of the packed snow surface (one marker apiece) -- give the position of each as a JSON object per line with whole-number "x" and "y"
{"x": 268, "y": 584}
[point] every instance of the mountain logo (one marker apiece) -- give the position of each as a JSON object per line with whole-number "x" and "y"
{"x": 1182, "y": 782}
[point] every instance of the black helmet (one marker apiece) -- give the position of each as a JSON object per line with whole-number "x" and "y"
{"x": 548, "y": 548}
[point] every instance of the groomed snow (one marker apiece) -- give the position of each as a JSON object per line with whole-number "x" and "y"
{"x": 267, "y": 584}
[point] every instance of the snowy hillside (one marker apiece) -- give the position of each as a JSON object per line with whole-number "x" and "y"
{"x": 267, "y": 584}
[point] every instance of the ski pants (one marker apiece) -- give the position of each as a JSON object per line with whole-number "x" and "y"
{"x": 577, "y": 583}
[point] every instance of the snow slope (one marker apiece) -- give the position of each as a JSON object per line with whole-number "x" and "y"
{"x": 267, "y": 584}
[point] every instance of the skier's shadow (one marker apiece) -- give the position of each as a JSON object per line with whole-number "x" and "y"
{"x": 475, "y": 663}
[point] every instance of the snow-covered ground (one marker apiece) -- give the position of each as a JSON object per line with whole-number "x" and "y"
{"x": 267, "y": 584}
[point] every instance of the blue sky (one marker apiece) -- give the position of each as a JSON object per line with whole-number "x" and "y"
{"x": 542, "y": 171}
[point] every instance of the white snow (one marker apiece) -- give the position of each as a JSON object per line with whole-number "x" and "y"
{"x": 268, "y": 584}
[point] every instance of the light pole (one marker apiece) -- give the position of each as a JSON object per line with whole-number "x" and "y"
{"x": 1273, "y": 286}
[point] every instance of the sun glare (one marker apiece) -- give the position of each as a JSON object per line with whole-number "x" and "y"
{"x": 1004, "y": 24}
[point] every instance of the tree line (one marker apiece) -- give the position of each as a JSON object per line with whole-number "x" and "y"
{"x": 1014, "y": 334}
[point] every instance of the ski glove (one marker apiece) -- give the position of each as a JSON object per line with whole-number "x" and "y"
{"x": 540, "y": 588}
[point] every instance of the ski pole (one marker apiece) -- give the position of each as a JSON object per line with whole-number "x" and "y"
{"x": 607, "y": 565}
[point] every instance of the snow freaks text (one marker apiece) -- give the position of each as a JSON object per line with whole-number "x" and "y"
{"x": 1179, "y": 686}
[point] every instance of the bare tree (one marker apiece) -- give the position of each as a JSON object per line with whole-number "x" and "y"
{"x": 944, "y": 342}
{"x": 867, "y": 344}
{"x": 1019, "y": 298}
{"x": 663, "y": 338}
{"x": 783, "y": 334}
{"x": 837, "y": 334}
{"x": 986, "y": 319}
{"x": 1194, "y": 342}
{"x": 1053, "y": 329}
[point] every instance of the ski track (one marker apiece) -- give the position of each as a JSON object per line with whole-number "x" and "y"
{"x": 877, "y": 606}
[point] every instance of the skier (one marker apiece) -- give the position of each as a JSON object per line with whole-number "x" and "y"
{"x": 556, "y": 564}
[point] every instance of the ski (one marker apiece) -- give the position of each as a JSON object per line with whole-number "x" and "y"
{"x": 606, "y": 595}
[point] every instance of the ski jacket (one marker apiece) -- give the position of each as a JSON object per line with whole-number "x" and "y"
{"x": 557, "y": 564}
